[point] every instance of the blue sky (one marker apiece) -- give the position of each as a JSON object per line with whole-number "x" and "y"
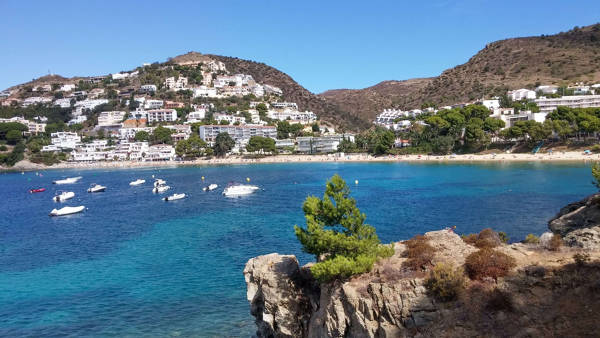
{"x": 321, "y": 44}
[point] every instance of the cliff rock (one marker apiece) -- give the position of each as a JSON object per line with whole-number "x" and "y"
{"x": 579, "y": 223}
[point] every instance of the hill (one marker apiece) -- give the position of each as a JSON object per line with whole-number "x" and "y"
{"x": 502, "y": 65}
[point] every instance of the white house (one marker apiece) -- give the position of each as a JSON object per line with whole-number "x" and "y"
{"x": 129, "y": 133}
{"x": 293, "y": 115}
{"x": 67, "y": 87}
{"x": 196, "y": 116}
{"x": 509, "y": 116}
{"x": 63, "y": 103}
{"x": 204, "y": 91}
{"x": 547, "y": 89}
{"x": 231, "y": 119}
{"x": 324, "y": 144}
{"x": 148, "y": 88}
{"x": 240, "y": 134}
{"x": 548, "y": 105}
{"x": 35, "y": 100}
{"x": 63, "y": 140}
{"x": 110, "y": 118}
{"x": 32, "y": 127}
{"x": 282, "y": 105}
{"x": 522, "y": 94}
{"x": 272, "y": 90}
{"x": 160, "y": 152}
{"x": 162, "y": 115}
{"x": 491, "y": 104}
{"x": 180, "y": 83}
{"x": 77, "y": 120}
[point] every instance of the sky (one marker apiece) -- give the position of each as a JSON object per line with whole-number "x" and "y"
{"x": 320, "y": 44}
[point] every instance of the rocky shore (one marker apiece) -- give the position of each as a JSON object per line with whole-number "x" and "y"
{"x": 548, "y": 293}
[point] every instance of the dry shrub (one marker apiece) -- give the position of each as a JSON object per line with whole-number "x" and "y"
{"x": 581, "y": 258}
{"x": 555, "y": 243}
{"x": 419, "y": 253}
{"x": 531, "y": 239}
{"x": 445, "y": 283}
{"x": 487, "y": 262}
{"x": 499, "y": 300}
{"x": 487, "y": 238}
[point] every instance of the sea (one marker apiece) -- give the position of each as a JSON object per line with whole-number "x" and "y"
{"x": 134, "y": 265}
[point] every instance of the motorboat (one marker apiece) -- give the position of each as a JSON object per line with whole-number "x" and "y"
{"x": 63, "y": 196}
{"x": 66, "y": 211}
{"x": 33, "y": 191}
{"x": 96, "y": 188}
{"x": 236, "y": 190}
{"x": 174, "y": 197}
{"x": 158, "y": 182}
{"x": 160, "y": 189}
{"x": 137, "y": 182}
{"x": 69, "y": 180}
{"x": 210, "y": 187}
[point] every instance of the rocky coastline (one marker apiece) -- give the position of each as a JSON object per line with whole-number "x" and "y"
{"x": 547, "y": 293}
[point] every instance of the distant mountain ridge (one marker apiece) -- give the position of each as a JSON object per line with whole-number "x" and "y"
{"x": 502, "y": 65}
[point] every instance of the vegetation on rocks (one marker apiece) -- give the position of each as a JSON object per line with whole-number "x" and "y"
{"x": 419, "y": 253}
{"x": 488, "y": 263}
{"x": 337, "y": 235}
{"x": 445, "y": 282}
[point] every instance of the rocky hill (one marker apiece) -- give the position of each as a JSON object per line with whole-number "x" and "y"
{"x": 502, "y": 65}
{"x": 549, "y": 292}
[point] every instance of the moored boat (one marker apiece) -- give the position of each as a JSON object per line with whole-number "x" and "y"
{"x": 96, "y": 188}
{"x": 68, "y": 180}
{"x": 174, "y": 197}
{"x": 158, "y": 182}
{"x": 66, "y": 211}
{"x": 63, "y": 196}
{"x": 160, "y": 188}
{"x": 210, "y": 187}
{"x": 33, "y": 191}
{"x": 236, "y": 190}
{"x": 137, "y": 182}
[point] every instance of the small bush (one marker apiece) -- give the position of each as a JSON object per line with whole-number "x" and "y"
{"x": 488, "y": 262}
{"x": 503, "y": 237}
{"x": 581, "y": 259}
{"x": 487, "y": 238}
{"x": 445, "y": 282}
{"x": 419, "y": 253}
{"x": 531, "y": 239}
{"x": 499, "y": 301}
{"x": 3, "y": 148}
{"x": 555, "y": 243}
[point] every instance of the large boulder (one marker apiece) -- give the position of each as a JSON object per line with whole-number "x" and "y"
{"x": 579, "y": 223}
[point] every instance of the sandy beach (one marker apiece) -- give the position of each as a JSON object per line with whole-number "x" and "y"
{"x": 522, "y": 157}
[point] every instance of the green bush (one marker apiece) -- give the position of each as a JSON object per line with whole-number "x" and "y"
{"x": 336, "y": 234}
{"x": 487, "y": 262}
{"x": 445, "y": 282}
{"x": 531, "y": 239}
{"x": 3, "y": 148}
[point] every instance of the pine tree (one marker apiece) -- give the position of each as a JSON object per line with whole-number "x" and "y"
{"x": 337, "y": 235}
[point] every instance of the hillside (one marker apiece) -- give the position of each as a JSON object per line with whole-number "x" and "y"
{"x": 502, "y": 65}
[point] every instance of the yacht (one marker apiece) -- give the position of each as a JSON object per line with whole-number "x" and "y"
{"x": 160, "y": 188}
{"x": 236, "y": 190}
{"x": 63, "y": 196}
{"x": 174, "y": 197}
{"x": 66, "y": 211}
{"x": 137, "y": 182}
{"x": 210, "y": 187}
{"x": 69, "y": 180}
{"x": 96, "y": 188}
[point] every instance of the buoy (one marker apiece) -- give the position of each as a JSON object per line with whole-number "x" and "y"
{"x": 355, "y": 181}
{"x": 247, "y": 179}
{"x": 203, "y": 178}
{"x": 152, "y": 176}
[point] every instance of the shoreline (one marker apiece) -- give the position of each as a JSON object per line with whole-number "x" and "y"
{"x": 332, "y": 158}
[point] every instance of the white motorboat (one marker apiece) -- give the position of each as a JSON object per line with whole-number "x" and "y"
{"x": 69, "y": 180}
{"x": 63, "y": 196}
{"x": 160, "y": 189}
{"x": 96, "y": 188}
{"x": 210, "y": 187}
{"x": 174, "y": 197}
{"x": 66, "y": 211}
{"x": 137, "y": 182}
{"x": 236, "y": 190}
{"x": 158, "y": 182}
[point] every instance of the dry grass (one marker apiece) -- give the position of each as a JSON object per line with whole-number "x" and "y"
{"x": 490, "y": 263}
{"x": 419, "y": 253}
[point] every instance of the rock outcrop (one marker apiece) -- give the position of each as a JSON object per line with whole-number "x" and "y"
{"x": 547, "y": 294}
{"x": 579, "y": 223}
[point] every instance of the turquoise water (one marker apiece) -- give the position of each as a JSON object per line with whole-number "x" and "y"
{"x": 135, "y": 265}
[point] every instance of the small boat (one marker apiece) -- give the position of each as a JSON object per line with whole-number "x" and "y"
{"x": 63, "y": 196}
{"x": 66, "y": 211}
{"x": 174, "y": 197}
{"x": 236, "y": 190}
{"x": 137, "y": 182}
{"x": 96, "y": 188}
{"x": 210, "y": 187}
{"x": 69, "y": 180}
{"x": 158, "y": 182}
{"x": 160, "y": 189}
{"x": 32, "y": 191}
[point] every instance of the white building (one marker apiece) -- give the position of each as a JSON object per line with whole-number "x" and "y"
{"x": 204, "y": 91}
{"x": 180, "y": 83}
{"x": 119, "y": 76}
{"x": 272, "y": 90}
{"x": 110, "y": 118}
{"x": 77, "y": 120}
{"x": 134, "y": 151}
{"x": 162, "y": 115}
{"x": 293, "y": 115}
{"x": 240, "y": 134}
{"x": 33, "y": 128}
{"x": 491, "y": 104}
{"x": 509, "y": 116}
{"x": 282, "y": 105}
{"x": 96, "y": 150}
{"x": 324, "y": 144}
{"x": 148, "y": 88}
{"x": 83, "y": 105}
{"x": 521, "y": 94}
{"x": 547, "y": 89}
{"x": 35, "y": 100}
{"x": 196, "y": 116}
{"x": 63, "y": 140}
{"x": 388, "y": 116}
{"x": 160, "y": 152}
{"x": 129, "y": 133}
{"x": 577, "y": 101}
{"x": 153, "y": 104}
{"x": 231, "y": 119}
{"x": 63, "y": 103}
